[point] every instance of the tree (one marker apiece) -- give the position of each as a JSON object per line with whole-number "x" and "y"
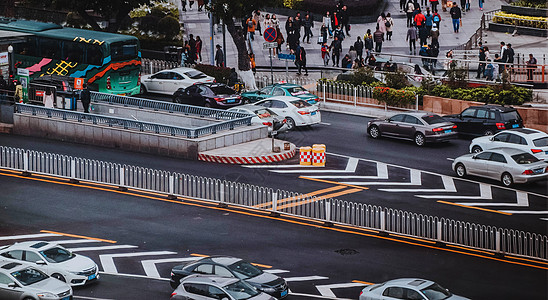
{"x": 113, "y": 10}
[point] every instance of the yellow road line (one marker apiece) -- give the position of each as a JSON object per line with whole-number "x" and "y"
{"x": 199, "y": 255}
{"x": 334, "y": 188}
{"x": 350, "y": 191}
{"x": 473, "y": 207}
{"x": 364, "y": 282}
{"x": 334, "y": 182}
{"x": 79, "y": 236}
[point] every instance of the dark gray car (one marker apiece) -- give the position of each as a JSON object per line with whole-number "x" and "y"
{"x": 420, "y": 127}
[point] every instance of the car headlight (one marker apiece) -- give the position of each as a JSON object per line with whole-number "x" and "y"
{"x": 267, "y": 289}
{"x": 46, "y": 294}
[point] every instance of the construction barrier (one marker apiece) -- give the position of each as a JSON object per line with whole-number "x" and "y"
{"x": 318, "y": 156}
{"x": 305, "y": 156}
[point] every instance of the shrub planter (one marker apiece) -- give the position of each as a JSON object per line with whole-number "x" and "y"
{"x": 525, "y": 11}
{"x": 520, "y": 29}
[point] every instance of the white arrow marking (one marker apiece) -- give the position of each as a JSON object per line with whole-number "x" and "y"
{"x": 485, "y": 193}
{"x": 275, "y": 271}
{"x": 89, "y": 298}
{"x": 414, "y": 174}
{"x": 150, "y": 265}
{"x": 448, "y": 186}
{"x": 26, "y": 236}
{"x": 101, "y": 248}
{"x": 325, "y": 290}
{"x": 107, "y": 260}
{"x": 79, "y": 241}
{"x": 532, "y": 212}
{"x": 305, "y": 278}
{"x": 521, "y": 197}
{"x": 382, "y": 173}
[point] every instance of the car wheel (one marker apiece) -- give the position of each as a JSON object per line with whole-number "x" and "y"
{"x": 488, "y": 132}
{"x": 507, "y": 179}
{"x": 290, "y": 123}
{"x": 374, "y": 132}
{"x": 419, "y": 139}
{"x": 59, "y": 277}
{"x": 476, "y": 149}
{"x": 143, "y": 89}
{"x": 245, "y": 101}
{"x": 460, "y": 170}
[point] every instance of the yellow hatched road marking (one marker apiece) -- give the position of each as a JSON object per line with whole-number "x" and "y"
{"x": 79, "y": 236}
{"x": 350, "y": 191}
{"x": 334, "y": 188}
{"x": 478, "y": 208}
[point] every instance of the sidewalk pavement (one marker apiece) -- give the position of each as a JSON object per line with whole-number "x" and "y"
{"x": 197, "y": 23}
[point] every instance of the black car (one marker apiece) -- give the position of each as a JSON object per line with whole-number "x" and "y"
{"x": 486, "y": 119}
{"x": 215, "y": 95}
{"x": 227, "y": 266}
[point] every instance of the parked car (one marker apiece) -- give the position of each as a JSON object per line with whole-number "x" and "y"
{"x": 297, "y": 112}
{"x": 264, "y": 116}
{"x": 23, "y": 281}
{"x": 216, "y": 287}
{"x": 217, "y": 95}
{"x": 526, "y": 139}
{"x": 486, "y": 119}
{"x": 169, "y": 81}
{"x": 505, "y": 164}
{"x": 420, "y": 127}
{"x": 232, "y": 267}
{"x": 53, "y": 260}
{"x": 281, "y": 89}
{"x": 408, "y": 288}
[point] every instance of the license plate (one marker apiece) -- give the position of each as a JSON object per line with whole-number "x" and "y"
{"x": 447, "y": 131}
{"x": 230, "y": 100}
{"x": 91, "y": 277}
{"x": 283, "y": 294}
{"x": 545, "y": 152}
{"x": 66, "y": 298}
{"x": 538, "y": 171}
{"x": 515, "y": 126}
{"x": 313, "y": 113}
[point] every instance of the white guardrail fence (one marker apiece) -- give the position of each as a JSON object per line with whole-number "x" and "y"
{"x": 330, "y": 211}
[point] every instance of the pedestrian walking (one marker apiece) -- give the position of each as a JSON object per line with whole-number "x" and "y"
{"x": 335, "y": 48}
{"x": 499, "y": 67}
{"x": 403, "y": 6}
{"x": 531, "y": 66}
{"x": 378, "y": 38}
{"x": 200, "y": 5}
{"x": 358, "y": 45}
{"x": 463, "y": 4}
{"x": 327, "y": 22}
{"x": 251, "y": 27}
{"x": 325, "y": 53}
{"x": 429, "y": 20}
{"x": 410, "y": 8}
{"x": 339, "y": 33}
{"x": 480, "y": 2}
{"x": 510, "y": 59}
{"x": 199, "y": 47}
{"x": 456, "y": 16}
{"x": 48, "y": 99}
{"x": 381, "y": 23}
{"x": 266, "y": 22}
{"x": 289, "y": 26}
{"x": 190, "y": 3}
{"x": 435, "y": 35}
{"x": 300, "y": 60}
{"x": 279, "y": 39}
{"x": 436, "y": 17}
{"x": 434, "y": 52}
{"x": 345, "y": 18}
{"x": 18, "y": 94}
{"x": 183, "y": 5}
{"x": 368, "y": 43}
{"x": 424, "y": 52}
{"x": 274, "y": 21}
{"x": 252, "y": 63}
{"x": 419, "y": 18}
{"x": 412, "y": 37}
{"x": 192, "y": 52}
{"x": 219, "y": 56}
{"x": 423, "y": 35}
{"x": 489, "y": 70}
{"x": 481, "y": 58}
{"x": 258, "y": 18}
{"x": 307, "y": 24}
{"x": 352, "y": 53}
{"x": 293, "y": 41}
{"x": 335, "y": 22}
{"x": 389, "y": 26}
{"x": 298, "y": 22}
{"x": 434, "y": 4}
{"x": 85, "y": 97}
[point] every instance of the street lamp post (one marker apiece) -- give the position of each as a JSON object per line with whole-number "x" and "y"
{"x": 10, "y": 61}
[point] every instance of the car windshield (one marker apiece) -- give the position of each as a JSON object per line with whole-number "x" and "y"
{"x": 29, "y": 276}
{"x": 222, "y": 90}
{"x": 56, "y": 255}
{"x": 245, "y": 269}
{"x": 240, "y": 290}
{"x": 436, "y": 292}
{"x": 542, "y": 142}
{"x": 510, "y": 115}
{"x": 296, "y": 90}
{"x": 433, "y": 119}
{"x": 265, "y": 113}
{"x": 300, "y": 103}
{"x": 524, "y": 158}
{"x": 195, "y": 74}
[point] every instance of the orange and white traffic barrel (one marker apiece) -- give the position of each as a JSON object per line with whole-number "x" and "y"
{"x": 318, "y": 156}
{"x": 305, "y": 156}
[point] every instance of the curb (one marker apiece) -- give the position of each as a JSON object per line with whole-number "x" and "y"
{"x": 247, "y": 160}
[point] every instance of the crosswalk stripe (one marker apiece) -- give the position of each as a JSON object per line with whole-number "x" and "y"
{"x": 485, "y": 193}
{"x": 414, "y": 174}
{"x": 275, "y": 271}
{"x": 522, "y": 200}
{"x": 150, "y": 265}
{"x": 326, "y": 291}
{"x": 448, "y": 186}
{"x": 101, "y": 248}
{"x": 107, "y": 260}
{"x": 304, "y": 278}
{"x": 26, "y": 236}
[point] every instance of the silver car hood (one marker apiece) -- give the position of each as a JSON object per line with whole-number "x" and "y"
{"x": 264, "y": 279}
{"x": 77, "y": 264}
{"x": 51, "y": 285}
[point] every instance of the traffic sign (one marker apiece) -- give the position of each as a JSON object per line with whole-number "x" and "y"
{"x": 270, "y": 45}
{"x": 270, "y": 34}
{"x": 286, "y": 56}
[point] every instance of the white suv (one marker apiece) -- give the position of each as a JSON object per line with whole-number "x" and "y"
{"x": 528, "y": 140}
{"x": 53, "y": 260}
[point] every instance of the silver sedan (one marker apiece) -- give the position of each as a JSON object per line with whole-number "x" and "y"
{"x": 408, "y": 288}
{"x": 505, "y": 164}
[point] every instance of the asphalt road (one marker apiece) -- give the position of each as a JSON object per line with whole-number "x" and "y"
{"x": 310, "y": 257}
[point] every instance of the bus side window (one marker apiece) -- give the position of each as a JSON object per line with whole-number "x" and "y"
{"x": 26, "y": 48}
{"x": 73, "y": 52}
{"x": 94, "y": 55}
{"x": 49, "y": 48}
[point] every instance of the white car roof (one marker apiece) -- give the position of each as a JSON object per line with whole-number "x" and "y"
{"x": 221, "y": 281}
{"x": 506, "y": 150}
{"x": 37, "y": 245}
{"x": 9, "y": 267}
{"x": 417, "y": 283}
{"x": 283, "y": 98}
{"x": 526, "y": 132}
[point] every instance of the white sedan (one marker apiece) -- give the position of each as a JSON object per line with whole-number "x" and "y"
{"x": 407, "y": 288}
{"x": 262, "y": 115}
{"x": 526, "y": 139}
{"x": 297, "y": 112}
{"x": 169, "y": 81}
{"x": 508, "y": 165}
{"x": 53, "y": 260}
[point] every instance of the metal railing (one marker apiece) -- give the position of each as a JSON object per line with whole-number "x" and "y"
{"x": 130, "y": 124}
{"x": 263, "y": 80}
{"x": 386, "y": 220}
{"x": 150, "y": 66}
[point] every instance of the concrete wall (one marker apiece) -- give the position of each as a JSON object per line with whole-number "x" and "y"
{"x": 105, "y": 136}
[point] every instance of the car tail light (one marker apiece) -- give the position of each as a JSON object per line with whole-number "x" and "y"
{"x": 109, "y": 87}
{"x": 139, "y": 79}
{"x": 454, "y": 126}
{"x": 284, "y": 121}
{"x": 361, "y": 292}
{"x": 267, "y": 123}
{"x": 64, "y": 86}
{"x": 536, "y": 150}
{"x": 500, "y": 126}
{"x": 527, "y": 172}
{"x": 437, "y": 129}
{"x": 302, "y": 112}
{"x": 173, "y": 294}
{"x": 218, "y": 99}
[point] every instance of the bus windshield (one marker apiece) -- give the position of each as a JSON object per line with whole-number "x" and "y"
{"x": 123, "y": 51}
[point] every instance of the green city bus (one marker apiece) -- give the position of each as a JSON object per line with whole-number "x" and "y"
{"x": 108, "y": 62}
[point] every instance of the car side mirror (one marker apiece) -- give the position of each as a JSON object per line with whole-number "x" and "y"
{"x": 13, "y": 285}
{"x": 41, "y": 262}
{"x": 474, "y": 157}
{"x": 492, "y": 138}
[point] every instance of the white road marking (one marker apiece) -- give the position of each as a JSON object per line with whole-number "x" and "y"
{"x": 305, "y": 278}
{"x": 532, "y": 212}
{"x": 350, "y": 168}
{"x": 102, "y": 248}
{"x": 89, "y": 298}
{"x": 325, "y": 290}
{"x": 450, "y": 159}
{"x": 308, "y": 296}
{"x": 324, "y": 123}
{"x": 414, "y": 174}
{"x": 521, "y": 197}
{"x": 79, "y": 241}
{"x": 26, "y": 236}
{"x": 150, "y": 265}
{"x": 107, "y": 260}
{"x": 133, "y": 275}
{"x": 448, "y": 186}
{"x": 382, "y": 173}
{"x": 485, "y": 193}
{"x": 275, "y": 271}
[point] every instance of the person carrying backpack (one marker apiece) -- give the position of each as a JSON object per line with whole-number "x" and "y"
{"x": 436, "y": 18}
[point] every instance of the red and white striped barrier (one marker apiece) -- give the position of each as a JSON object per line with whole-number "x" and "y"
{"x": 246, "y": 160}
